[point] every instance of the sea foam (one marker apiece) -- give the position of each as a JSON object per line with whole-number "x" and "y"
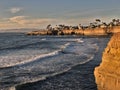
{"x": 11, "y": 60}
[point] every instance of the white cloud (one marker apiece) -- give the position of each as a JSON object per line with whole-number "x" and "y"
{"x": 18, "y": 19}
{"x": 26, "y": 21}
{"x": 15, "y": 10}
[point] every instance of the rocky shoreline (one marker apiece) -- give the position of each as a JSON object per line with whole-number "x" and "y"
{"x": 108, "y": 73}
{"x": 95, "y": 31}
{"x": 70, "y": 32}
{"x": 96, "y": 28}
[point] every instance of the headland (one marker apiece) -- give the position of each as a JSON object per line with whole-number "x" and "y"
{"x": 96, "y": 28}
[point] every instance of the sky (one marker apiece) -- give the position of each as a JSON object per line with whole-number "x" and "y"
{"x": 40, "y": 13}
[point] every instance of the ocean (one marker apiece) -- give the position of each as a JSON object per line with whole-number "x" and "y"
{"x": 31, "y": 59}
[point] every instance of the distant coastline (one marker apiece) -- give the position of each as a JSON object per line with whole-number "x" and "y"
{"x": 96, "y": 28}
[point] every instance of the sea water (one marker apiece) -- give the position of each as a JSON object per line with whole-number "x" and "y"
{"x": 25, "y": 59}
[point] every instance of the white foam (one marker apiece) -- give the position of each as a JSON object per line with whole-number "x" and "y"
{"x": 8, "y": 88}
{"x": 65, "y": 46}
{"x": 12, "y": 88}
{"x": 68, "y": 40}
{"x": 43, "y": 39}
{"x": 6, "y": 61}
{"x": 79, "y": 40}
{"x": 25, "y": 56}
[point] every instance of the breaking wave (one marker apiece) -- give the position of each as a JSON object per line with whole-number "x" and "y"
{"x": 38, "y": 61}
{"x": 22, "y": 59}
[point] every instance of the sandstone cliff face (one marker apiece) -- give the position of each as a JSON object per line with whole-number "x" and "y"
{"x": 37, "y": 33}
{"x": 96, "y": 31}
{"x": 67, "y": 32}
{"x": 115, "y": 29}
{"x": 107, "y": 75}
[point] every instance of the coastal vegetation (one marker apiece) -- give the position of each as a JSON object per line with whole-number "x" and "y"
{"x": 96, "y": 28}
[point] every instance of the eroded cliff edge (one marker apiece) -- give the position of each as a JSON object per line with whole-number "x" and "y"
{"x": 107, "y": 75}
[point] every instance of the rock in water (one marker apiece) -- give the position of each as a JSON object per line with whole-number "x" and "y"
{"x": 107, "y": 75}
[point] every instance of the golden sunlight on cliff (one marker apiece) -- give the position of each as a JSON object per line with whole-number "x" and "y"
{"x": 107, "y": 75}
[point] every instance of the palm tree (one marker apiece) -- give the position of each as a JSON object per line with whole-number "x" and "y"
{"x": 118, "y": 22}
{"x": 97, "y": 20}
{"x": 114, "y": 20}
{"x": 48, "y": 26}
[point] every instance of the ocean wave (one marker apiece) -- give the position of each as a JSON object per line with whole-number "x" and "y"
{"x": 41, "y": 66}
{"x": 25, "y": 80}
{"x": 89, "y": 58}
{"x": 66, "y": 39}
{"x": 79, "y": 40}
{"x": 15, "y": 60}
{"x": 7, "y": 61}
{"x": 43, "y": 39}
{"x": 65, "y": 46}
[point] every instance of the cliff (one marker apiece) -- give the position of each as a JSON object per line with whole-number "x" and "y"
{"x": 107, "y": 75}
{"x": 92, "y": 29}
{"x": 96, "y": 31}
{"x": 44, "y": 32}
{"x": 114, "y": 29}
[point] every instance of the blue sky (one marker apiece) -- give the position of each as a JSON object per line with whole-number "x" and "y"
{"x": 39, "y": 13}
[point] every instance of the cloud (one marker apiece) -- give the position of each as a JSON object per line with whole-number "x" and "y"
{"x": 15, "y": 10}
{"x": 18, "y": 19}
{"x": 26, "y": 21}
{"x": 40, "y": 21}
